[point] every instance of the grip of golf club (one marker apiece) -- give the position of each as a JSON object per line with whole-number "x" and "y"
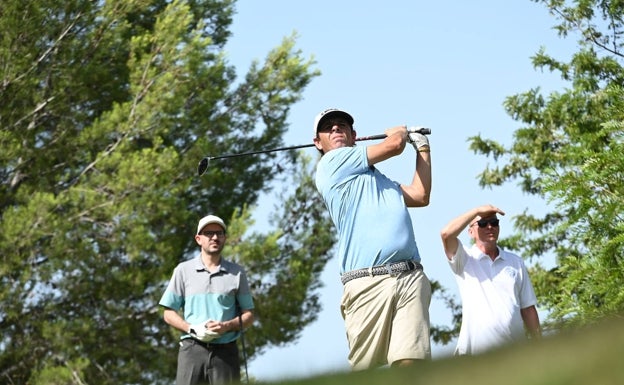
{"x": 420, "y": 130}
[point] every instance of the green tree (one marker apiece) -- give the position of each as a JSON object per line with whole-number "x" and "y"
{"x": 569, "y": 153}
{"x": 105, "y": 110}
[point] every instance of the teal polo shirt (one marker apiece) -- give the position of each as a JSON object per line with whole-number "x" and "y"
{"x": 204, "y": 295}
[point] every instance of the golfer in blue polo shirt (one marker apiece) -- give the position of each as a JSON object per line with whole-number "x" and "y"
{"x": 386, "y": 294}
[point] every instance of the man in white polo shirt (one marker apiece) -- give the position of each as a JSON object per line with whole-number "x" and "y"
{"x": 498, "y": 301}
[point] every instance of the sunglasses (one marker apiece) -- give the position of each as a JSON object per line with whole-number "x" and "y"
{"x": 482, "y": 223}
{"x": 211, "y": 234}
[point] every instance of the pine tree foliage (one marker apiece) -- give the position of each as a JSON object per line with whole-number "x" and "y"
{"x": 105, "y": 110}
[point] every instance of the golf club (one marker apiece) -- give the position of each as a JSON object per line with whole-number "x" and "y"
{"x": 203, "y": 164}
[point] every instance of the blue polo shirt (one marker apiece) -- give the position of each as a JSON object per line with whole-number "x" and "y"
{"x": 368, "y": 210}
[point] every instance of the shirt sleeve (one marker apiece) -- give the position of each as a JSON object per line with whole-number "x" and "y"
{"x": 527, "y": 294}
{"x": 173, "y": 297}
{"x": 244, "y": 297}
{"x": 458, "y": 261}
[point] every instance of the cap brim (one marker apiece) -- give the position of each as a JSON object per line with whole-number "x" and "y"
{"x": 330, "y": 114}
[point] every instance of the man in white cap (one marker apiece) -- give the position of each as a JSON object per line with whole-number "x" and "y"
{"x": 386, "y": 294}
{"x": 214, "y": 294}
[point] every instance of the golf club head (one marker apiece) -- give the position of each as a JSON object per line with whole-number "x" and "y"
{"x": 202, "y": 166}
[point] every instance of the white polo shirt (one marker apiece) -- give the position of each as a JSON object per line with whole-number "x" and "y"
{"x": 492, "y": 294}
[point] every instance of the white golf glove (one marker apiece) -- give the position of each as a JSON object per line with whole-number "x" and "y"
{"x": 419, "y": 141}
{"x": 199, "y": 332}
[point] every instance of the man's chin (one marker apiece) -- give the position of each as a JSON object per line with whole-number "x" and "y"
{"x": 339, "y": 144}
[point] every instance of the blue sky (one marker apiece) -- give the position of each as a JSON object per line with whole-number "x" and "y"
{"x": 444, "y": 65}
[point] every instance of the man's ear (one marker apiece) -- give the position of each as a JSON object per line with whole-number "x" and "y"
{"x": 317, "y": 143}
{"x": 353, "y": 136}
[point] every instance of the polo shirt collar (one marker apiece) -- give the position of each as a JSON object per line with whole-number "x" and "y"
{"x": 199, "y": 265}
{"x": 480, "y": 255}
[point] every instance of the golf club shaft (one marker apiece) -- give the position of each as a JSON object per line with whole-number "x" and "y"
{"x": 424, "y": 131}
{"x": 203, "y": 164}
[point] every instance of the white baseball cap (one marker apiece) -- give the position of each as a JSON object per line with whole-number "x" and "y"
{"x": 328, "y": 113}
{"x": 208, "y": 219}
